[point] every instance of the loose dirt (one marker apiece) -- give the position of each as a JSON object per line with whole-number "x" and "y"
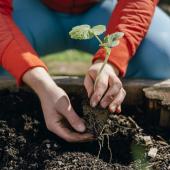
{"x": 25, "y": 143}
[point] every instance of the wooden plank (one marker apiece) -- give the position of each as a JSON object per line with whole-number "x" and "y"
{"x": 159, "y": 100}
{"x": 71, "y": 84}
{"x": 157, "y": 93}
{"x": 133, "y": 87}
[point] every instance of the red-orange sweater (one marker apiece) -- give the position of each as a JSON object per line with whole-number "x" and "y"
{"x": 130, "y": 16}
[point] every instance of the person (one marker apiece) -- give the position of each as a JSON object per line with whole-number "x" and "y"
{"x": 29, "y": 28}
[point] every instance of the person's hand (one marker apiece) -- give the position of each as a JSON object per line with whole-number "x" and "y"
{"x": 59, "y": 115}
{"x": 108, "y": 90}
{"x": 61, "y": 118}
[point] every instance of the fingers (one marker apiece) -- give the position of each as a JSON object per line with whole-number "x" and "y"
{"x": 119, "y": 109}
{"x": 75, "y": 121}
{"x": 71, "y": 136}
{"x": 100, "y": 89}
{"x": 116, "y": 103}
{"x": 115, "y": 87}
{"x": 60, "y": 129}
{"x": 88, "y": 83}
{"x": 60, "y": 116}
{"x": 65, "y": 108}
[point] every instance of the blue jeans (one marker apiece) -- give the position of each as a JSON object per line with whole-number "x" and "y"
{"x": 47, "y": 31}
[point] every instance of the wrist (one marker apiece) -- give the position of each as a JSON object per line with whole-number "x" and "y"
{"x": 39, "y": 80}
{"x": 114, "y": 68}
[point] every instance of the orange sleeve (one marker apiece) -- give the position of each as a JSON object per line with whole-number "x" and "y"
{"x": 132, "y": 17}
{"x": 16, "y": 54}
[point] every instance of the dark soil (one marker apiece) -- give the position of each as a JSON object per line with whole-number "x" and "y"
{"x": 26, "y": 144}
{"x": 95, "y": 118}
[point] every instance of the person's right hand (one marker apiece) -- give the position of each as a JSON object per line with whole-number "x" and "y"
{"x": 108, "y": 91}
{"x": 59, "y": 115}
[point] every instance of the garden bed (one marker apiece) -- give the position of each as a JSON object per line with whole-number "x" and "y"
{"x": 137, "y": 141}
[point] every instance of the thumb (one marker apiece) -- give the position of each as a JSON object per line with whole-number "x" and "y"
{"x": 75, "y": 121}
{"x": 68, "y": 112}
{"x": 65, "y": 108}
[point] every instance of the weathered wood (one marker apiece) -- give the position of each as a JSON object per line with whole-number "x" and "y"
{"x": 71, "y": 84}
{"x": 164, "y": 118}
{"x": 134, "y": 90}
{"x": 133, "y": 87}
{"x": 159, "y": 100}
{"x": 7, "y": 84}
{"x": 156, "y": 92}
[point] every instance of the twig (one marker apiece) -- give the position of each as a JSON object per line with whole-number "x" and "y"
{"x": 108, "y": 145}
{"x": 100, "y": 148}
{"x": 110, "y": 134}
{"x": 136, "y": 125}
{"x": 100, "y": 41}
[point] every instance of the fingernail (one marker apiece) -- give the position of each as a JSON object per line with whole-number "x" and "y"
{"x": 81, "y": 127}
{"x": 93, "y": 104}
{"x": 113, "y": 108}
{"x": 118, "y": 110}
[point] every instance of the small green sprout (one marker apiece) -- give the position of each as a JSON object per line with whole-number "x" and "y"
{"x": 84, "y": 32}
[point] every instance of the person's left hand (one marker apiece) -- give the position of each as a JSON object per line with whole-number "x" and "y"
{"x": 108, "y": 91}
{"x": 59, "y": 115}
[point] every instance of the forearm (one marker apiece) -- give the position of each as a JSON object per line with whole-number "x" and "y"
{"x": 132, "y": 17}
{"x": 16, "y": 54}
{"x": 39, "y": 80}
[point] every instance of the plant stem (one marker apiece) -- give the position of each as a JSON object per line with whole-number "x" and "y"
{"x": 108, "y": 50}
{"x": 97, "y": 37}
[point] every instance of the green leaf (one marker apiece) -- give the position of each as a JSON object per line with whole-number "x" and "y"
{"x": 116, "y": 35}
{"x": 115, "y": 43}
{"x": 82, "y": 27}
{"x": 81, "y": 32}
{"x": 112, "y": 44}
{"x": 113, "y": 37}
{"x": 107, "y": 39}
{"x": 99, "y": 29}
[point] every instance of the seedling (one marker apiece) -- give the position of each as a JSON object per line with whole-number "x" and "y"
{"x": 84, "y": 32}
